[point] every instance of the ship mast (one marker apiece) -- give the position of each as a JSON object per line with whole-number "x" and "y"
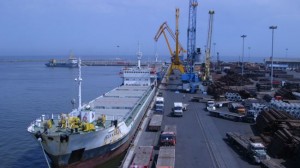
{"x": 79, "y": 79}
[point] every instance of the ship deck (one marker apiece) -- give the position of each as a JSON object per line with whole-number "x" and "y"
{"x": 117, "y": 104}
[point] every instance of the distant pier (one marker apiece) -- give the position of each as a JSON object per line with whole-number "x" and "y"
{"x": 84, "y": 62}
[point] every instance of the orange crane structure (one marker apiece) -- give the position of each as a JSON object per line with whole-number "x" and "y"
{"x": 162, "y": 30}
{"x": 176, "y": 63}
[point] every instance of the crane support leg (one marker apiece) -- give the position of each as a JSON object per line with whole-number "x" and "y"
{"x": 179, "y": 67}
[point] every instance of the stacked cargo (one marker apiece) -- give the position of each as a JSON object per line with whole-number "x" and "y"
{"x": 263, "y": 86}
{"x": 258, "y": 108}
{"x": 285, "y": 94}
{"x": 290, "y": 108}
{"x": 234, "y": 79}
{"x": 280, "y": 131}
{"x": 249, "y": 92}
{"x": 231, "y": 96}
{"x": 284, "y": 144}
{"x": 293, "y": 86}
{"x": 216, "y": 88}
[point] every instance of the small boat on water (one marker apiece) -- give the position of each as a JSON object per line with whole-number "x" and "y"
{"x": 101, "y": 129}
{"x": 72, "y": 62}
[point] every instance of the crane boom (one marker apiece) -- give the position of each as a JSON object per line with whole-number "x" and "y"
{"x": 208, "y": 45}
{"x": 161, "y": 30}
{"x": 176, "y": 62}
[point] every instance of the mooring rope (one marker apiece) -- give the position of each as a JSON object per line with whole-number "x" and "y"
{"x": 40, "y": 140}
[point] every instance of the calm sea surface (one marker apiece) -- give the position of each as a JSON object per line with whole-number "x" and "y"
{"x": 30, "y": 89}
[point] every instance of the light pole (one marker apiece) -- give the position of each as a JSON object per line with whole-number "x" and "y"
{"x": 243, "y": 36}
{"x": 214, "y": 53}
{"x": 249, "y": 48}
{"x": 272, "y": 28}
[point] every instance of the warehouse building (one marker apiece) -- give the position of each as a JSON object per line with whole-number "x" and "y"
{"x": 283, "y": 63}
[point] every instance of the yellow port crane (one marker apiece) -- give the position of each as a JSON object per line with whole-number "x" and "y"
{"x": 176, "y": 63}
{"x": 161, "y": 30}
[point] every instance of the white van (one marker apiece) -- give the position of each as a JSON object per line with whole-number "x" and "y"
{"x": 178, "y": 109}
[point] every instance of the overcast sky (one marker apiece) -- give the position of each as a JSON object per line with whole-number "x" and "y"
{"x": 97, "y": 27}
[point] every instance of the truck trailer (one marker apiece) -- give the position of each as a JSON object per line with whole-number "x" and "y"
{"x": 155, "y": 122}
{"x": 255, "y": 151}
{"x": 166, "y": 157}
{"x": 216, "y": 110}
{"x": 143, "y": 157}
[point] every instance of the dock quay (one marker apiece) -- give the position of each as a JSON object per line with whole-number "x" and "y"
{"x": 201, "y": 137}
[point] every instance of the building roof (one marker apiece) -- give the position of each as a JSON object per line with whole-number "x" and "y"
{"x": 295, "y": 60}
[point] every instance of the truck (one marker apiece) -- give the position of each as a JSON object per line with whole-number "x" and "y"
{"x": 210, "y": 105}
{"x": 186, "y": 87}
{"x": 159, "y": 104}
{"x": 202, "y": 99}
{"x": 155, "y": 122}
{"x": 190, "y": 82}
{"x": 237, "y": 108}
{"x": 168, "y": 136}
{"x": 166, "y": 157}
{"x": 222, "y": 111}
{"x": 178, "y": 109}
{"x": 256, "y": 151}
{"x": 143, "y": 157}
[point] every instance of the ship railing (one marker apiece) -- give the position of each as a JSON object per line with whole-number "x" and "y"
{"x": 114, "y": 117}
{"x": 39, "y": 121}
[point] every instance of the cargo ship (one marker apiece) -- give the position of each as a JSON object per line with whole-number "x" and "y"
{"x": 101, "y": 129}
{"x": 72, "y": 62}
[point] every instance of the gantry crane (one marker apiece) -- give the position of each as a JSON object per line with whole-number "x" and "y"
{"x": 191, "y": 35}
{"x": 176, "y": 63}
{"x": 208, "y": 46}
{"x": 190, "y": 80}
